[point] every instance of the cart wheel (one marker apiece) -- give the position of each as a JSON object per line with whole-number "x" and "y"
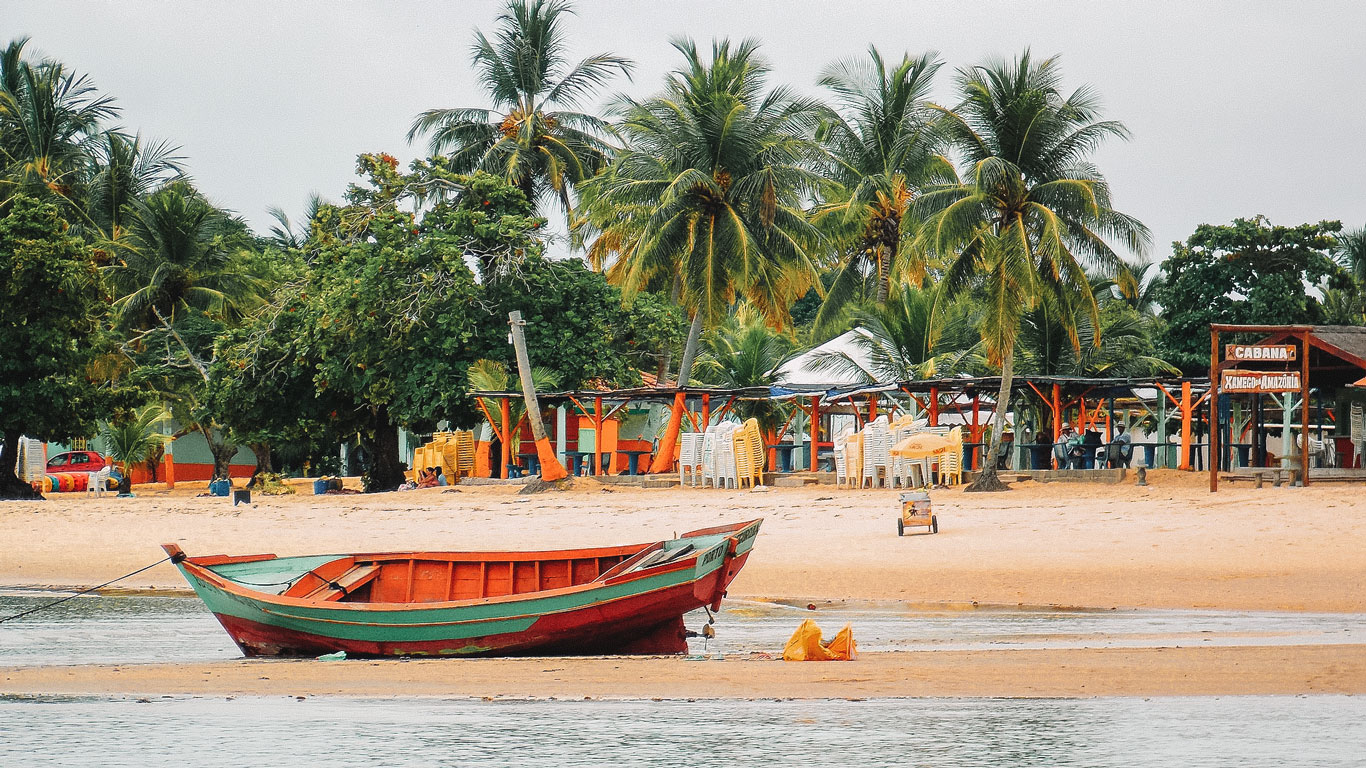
{"x": 934, "y": 524}
{"x": 900, "y": 527}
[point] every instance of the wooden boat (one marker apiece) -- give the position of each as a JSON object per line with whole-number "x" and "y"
{"x": 627, "y": 599}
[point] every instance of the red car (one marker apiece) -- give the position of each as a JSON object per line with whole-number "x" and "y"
{"x": 76, "y": 461}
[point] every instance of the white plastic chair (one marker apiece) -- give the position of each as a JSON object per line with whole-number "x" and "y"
{"x": 709, "y": 456}
{"x": 690, "y": 457}
{"x": 841, "y": 461}
{"x": 98, "y": 482}
{"x": 876, "y": 453}
{"x": 726, "y": 474}
{"x": 1358, "y": 433}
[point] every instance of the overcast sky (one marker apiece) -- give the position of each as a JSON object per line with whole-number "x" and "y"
{"x": 1236, "y": 108}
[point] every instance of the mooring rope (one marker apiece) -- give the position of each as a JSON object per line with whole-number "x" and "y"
{"x": 44, "y": 607}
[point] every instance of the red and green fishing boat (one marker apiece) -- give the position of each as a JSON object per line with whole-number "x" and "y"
{"x": 628, "y": 599}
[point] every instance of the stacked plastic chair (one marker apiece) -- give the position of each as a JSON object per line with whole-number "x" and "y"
{"x": 748, "y": 442}
{"x": 690, "y": 446}
{"x": 877, "y": 458}
{"x": 726, "y": 471}
{"x": 841, "y": 461}
{"x": 1358, "y": 433}
{"x": 951, "y": 462}
{"x": 708, "y": 466}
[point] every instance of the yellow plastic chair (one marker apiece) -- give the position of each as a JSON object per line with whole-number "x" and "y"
{"x": 951, "y": 461}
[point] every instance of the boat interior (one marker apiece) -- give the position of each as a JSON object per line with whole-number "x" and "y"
{"x": 444, "y": 577}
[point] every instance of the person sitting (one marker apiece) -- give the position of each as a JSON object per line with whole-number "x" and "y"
{"x": 1121, "y": 448}
{"x": 1062, "y": 450}
{"x": 440, "y": 477}
{"x": 426, "y": 478}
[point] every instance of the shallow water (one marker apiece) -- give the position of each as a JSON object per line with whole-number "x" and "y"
{"x": 134, "y": 629}
{"x": 1201, "y": 732}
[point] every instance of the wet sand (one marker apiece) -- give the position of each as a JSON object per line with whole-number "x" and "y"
{"x": 1169, "y": 545}
{"x": 1010, "y": 673}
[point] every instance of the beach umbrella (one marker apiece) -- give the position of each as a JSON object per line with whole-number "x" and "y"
{"x": 920, "y": 445}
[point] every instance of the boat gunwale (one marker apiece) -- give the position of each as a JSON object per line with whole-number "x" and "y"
{"x": 235, "y": 589}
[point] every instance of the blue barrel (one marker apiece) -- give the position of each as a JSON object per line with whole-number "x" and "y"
{"x": 320, "y": 487}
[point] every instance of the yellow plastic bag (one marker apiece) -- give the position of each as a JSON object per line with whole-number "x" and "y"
{"x": 805, "y": 644}
{"x": 843, "y": 647}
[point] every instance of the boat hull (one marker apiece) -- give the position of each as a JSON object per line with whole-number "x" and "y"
{"x": 638, "y": 613}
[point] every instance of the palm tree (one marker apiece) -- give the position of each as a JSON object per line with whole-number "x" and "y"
{"x": 883, "y": 149}
{"x": 524, "y": 70}
{"x": 901, "y": 340}
{"x": 493, "y": 376}
{"x": 123, "y": 170}
{"x": 1121, "y": 346}
{"x": 48, "y": 120}
{"x": 707, "y": 194}
{"x": 134, "y": 440}
{"x": 1033, "y": 213}
{"x": 745, "y": 352}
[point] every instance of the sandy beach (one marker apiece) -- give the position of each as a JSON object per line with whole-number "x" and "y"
{"x": 1168, "y": 545}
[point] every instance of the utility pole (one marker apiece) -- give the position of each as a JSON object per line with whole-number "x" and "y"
{"x": 551, "y": 468}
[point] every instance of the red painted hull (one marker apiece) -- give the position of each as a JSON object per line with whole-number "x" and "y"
{"x": 650, "y": 623}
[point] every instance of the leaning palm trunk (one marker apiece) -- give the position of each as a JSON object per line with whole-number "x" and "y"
{"x": 690, "y": 349}
{"x": 987, "y": 479}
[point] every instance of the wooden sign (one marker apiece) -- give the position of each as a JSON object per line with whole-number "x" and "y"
{"x": 1259, "y": 381}
{"x": 1268, "y": 353}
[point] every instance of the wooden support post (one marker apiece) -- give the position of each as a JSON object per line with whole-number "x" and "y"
{"x": 1214, "y": 370}
{"x": 169, "y": 465}
{"x": 664, "y": 459}
{"x": 872, "y": 406}
{"x": 597, "y": 436}
{"x": 505, "y": 413}
{"x": 1185, "y": 458}
{"x": 815, "y": 431}
{"x": 706, "y": 411}
{"x": 1304, "y": 410}
{"x": 934, "y": 406}
{"x": 1057, "y": 412}
{"x": 976, "y": 434}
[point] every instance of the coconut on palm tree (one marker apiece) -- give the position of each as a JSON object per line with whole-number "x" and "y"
{"x": 1032, "y": 214}
{"x": 707, "y": 194}
{"x": 884, "y": 148}
{"x": 532, "y": 137}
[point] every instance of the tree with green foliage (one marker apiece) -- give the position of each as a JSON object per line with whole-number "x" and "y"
{"x": 524, "y": 70}
{"x": 743, "y": 351}
{"x": 883, "y": 149}
{"x": 53, "y": 310}
{"x": 1034, "y": 212}
{"x": 1248, "y": 272}
{"x": 707, "y": 195}
{"x": 131, "y": 440}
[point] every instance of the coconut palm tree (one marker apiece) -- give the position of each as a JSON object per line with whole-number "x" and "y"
{"x": 707, "y": 194}
{"x": 883, "y": 149}
{"x": 524, "y": 70}
{"x": 1033, "y": 213}
{"x": 902, "y": 340}
{"x": 134, "y": 440}
{"x": 49, "y": 118}
{"x": 123, "y": 169}
{"x": 1121, "y": 346}
{"x": 745, "y": 352}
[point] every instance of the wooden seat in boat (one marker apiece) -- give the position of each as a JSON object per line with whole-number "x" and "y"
{"x": 358, "y": 576}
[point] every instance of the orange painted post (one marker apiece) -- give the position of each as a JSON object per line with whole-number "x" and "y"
{"x": 505, "y": 413}
{"x": 170, "y": 466}
{"x": 934, "y": 406}
{"x": 1215, "y": 459}
{"x": 1057, "y": 412}
{"x": 706, "y": 411}
{"x": 1185, "y": 426}
{"x": 597, "y": 436}
{"x": 872, "y": 406}
{"x": 664, "y": 458}
{"x": 815, "y": 431}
